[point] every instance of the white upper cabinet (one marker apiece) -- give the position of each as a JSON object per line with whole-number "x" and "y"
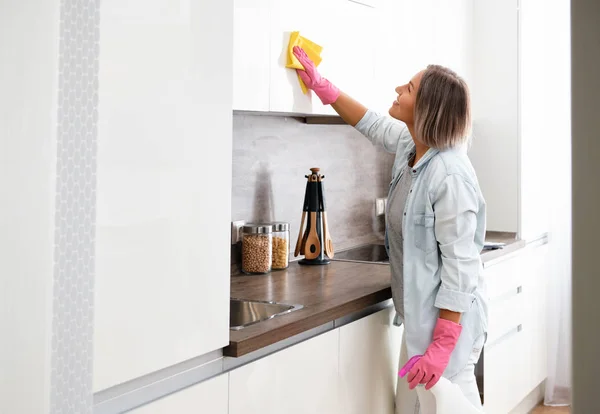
{"x": 262, "y": 28}
{"x": 512, "y": 113}
{"x": 409, "y": 35}
{"x": 495, "y": 150}
{"x": 452, "y": 24}
{"x": 164, "y": 152}
{"x": 313, "y": 19}
{"x": 345, "y": 30}
{"x": 538, "y": 103}
{"x": 350, "y": 50}
{"x": 369, "y": 48}
{"x": 251, "y": 55}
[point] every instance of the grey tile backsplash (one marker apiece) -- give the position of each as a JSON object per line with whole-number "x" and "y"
{"x": 271, "y": 156}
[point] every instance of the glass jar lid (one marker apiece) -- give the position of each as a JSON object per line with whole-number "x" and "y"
{"x": 253, "y": 228}
{"x": 281, "y": 226}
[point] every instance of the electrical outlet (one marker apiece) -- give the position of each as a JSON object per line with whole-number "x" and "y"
{"x": 236, "y": 230}
{"x": 380, "y": 205}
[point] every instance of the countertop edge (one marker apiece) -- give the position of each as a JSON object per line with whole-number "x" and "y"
{"x": 493, "y": 257}
{"x": 243, "y": 347}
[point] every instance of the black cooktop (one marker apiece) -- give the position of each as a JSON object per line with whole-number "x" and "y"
{"x": 369, "y": 253}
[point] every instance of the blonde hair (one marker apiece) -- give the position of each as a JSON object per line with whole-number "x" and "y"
{"x": 442, "y": 108}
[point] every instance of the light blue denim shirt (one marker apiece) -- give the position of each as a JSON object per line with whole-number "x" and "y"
{"x": 444, "y": 233}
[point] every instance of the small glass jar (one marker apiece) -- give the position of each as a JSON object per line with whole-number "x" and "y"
{"x": 257, "y": 248}
{"x": 281, "y": 245}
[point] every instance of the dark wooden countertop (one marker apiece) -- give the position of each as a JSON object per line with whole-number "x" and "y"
{"x": 326, "y": 292}
{"x": 512, "y": 244}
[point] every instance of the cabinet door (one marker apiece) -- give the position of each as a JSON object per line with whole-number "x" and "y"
{"x": 538, "y": 102}
{"x": 515, "y": 355}
{"x": 164, "y": 149}
{"x": 316, "y": 20}
{"x": 251, "y": 55}
{"x": 399, "y": 56}
{"x": 507, "y": 304}
{"x": 210, "y": 396}
{"x": 494, "y": 93}
{"x": 346, "y": 30}
{"x": 505, "y": 363}
{"x": 451, "y": 24}
{"x": 505, "y": 369}
{"x": 350, "y": 62}
{"x": 369, "y": 354}
{"x": 298, "y": 380}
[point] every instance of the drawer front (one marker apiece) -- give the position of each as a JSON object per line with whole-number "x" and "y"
{"x": 504, "y": 277}
{"x": 507, "y": 307}
{"x": 506, "y": 312}
{"x": 504, "y": 368}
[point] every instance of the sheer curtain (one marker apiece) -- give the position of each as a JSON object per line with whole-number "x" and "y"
{"x": 558, "y": 385}
{"x": 558, "y": 127}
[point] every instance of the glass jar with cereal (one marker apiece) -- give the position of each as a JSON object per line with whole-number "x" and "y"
{"x": 257, "y": 248}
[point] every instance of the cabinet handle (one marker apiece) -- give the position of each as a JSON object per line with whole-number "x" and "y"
{"x": 507, "y": 335}
{"x": 507, "y": 294}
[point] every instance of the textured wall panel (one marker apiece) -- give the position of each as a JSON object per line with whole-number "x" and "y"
{"x": 72, "y": 324}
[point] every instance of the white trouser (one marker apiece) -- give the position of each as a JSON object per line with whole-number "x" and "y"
{"x": 420, "y": 401}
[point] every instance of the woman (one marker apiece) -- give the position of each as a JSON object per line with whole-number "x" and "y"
{"x": 435, "y": 227}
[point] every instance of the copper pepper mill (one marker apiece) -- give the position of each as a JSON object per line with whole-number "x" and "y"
{"x": 314, "y": 242}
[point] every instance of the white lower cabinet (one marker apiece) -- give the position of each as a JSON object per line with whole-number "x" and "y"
{"x": 504, "y": 369}
{"x": 352, "y": 369}
{"x": 369, "y": 354}
{"x": 515, "y": 355}
{"x": 297, "y": 380}
{"x": 210, "y": 396}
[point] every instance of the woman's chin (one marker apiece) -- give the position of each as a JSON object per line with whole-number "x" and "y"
{"x": 393, "y": 112}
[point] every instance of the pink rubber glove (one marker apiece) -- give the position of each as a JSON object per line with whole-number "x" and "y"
{"x": 427, "y": 369}
{"x": 325, "y": 90}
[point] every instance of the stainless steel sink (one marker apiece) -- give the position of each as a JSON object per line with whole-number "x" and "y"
{"x": 243, "y": 313}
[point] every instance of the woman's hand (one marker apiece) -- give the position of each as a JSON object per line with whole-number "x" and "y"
{"x": 428, "y": 369}
{"x": 350, "y": 110}
{"x": 325, "y": 90}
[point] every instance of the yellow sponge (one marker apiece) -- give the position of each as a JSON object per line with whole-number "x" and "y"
{"x": 312, "y": 49}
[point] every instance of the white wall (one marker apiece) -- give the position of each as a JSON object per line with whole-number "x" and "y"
{"x": 28, "y": 81}
{"x": 585, "y": 46}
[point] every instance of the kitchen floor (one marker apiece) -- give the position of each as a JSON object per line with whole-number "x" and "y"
{"x": 551, "y": 410}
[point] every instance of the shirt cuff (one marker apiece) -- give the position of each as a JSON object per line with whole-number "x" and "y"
{"x": 453, "y": 300}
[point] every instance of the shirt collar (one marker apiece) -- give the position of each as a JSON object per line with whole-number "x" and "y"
{"x": 415, "y": 169}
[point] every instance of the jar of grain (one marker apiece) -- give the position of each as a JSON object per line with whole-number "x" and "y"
{"x": 257, "y": 248}
{"x": 281, "y": 245}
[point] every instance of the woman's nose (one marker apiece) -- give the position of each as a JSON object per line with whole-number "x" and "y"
{"x": 398, "y": 90}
